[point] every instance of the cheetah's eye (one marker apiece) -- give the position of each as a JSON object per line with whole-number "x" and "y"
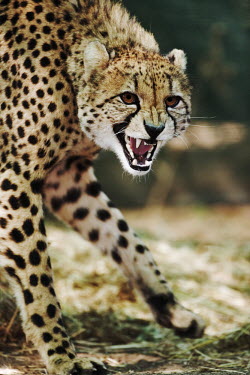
{"x": 129, "y": 98}
{"x": 172, "y": 101}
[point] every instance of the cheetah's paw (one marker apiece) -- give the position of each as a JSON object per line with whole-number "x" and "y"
{"x": 84, "y": 366}
{"x": 173, "y": 315}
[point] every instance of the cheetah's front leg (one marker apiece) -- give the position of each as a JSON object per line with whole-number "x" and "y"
{"x": 24, "y": 258}
{"x": 73, "y": 193}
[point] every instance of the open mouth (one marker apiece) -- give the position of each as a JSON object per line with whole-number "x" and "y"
{"x": 139, "y": 152}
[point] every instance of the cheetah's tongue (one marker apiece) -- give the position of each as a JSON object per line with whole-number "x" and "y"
{"x": 139, "y": 147}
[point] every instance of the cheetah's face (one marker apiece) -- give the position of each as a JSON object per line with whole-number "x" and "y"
{"x": 134, "y": 105}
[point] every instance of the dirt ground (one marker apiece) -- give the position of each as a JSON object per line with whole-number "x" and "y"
{"x": 205, "y": 254}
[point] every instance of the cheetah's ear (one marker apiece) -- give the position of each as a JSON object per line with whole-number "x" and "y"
{"x": 95, "y": 57}
{"x": 178, "y": 58}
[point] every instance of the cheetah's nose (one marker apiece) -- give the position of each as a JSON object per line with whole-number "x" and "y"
{"x": 153, "y": 131}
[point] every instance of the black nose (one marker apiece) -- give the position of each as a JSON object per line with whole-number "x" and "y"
{"x": 153, "y": 131}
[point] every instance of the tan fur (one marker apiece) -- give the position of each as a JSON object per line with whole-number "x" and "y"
{"x": 76, "y": 77}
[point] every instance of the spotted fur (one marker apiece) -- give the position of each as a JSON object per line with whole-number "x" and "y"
{"x": 65, "y": 67}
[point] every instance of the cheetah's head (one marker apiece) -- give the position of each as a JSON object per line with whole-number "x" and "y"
{"x": 133, "y": 103}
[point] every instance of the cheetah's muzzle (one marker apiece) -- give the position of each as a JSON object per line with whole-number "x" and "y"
{"x": 139, "y": 152}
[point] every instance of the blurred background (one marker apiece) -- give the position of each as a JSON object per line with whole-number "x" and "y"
{"x": 210, "y": 164}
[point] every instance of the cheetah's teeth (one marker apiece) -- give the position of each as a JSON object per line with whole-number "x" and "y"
{"x": 129, "y": 150}
{"x": 134, "y": 162}
{"x": 149, "y": 155}
{"x": 138, "y": 142}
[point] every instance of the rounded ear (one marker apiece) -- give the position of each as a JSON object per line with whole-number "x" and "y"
{"x": 178, "y": 58}
{"x": 95, "y": 57}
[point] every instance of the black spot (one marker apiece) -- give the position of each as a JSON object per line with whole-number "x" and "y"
{"x": 56, "y": 203}
{"x": 44, "y": 129}
{"x": 46, "y": 47}
{"x": 60, "y": 350}
{"x": 52, "y": 291}
{"x": 33, "y": 280}
{"x": 72, "y": 195}
{"x": 28, "y": 297}
{"x": 20, "y": 131}
{"x": 56, "y": 330}
{"x": 14, "y": 202}
{"x": 103, "y": 215}
{"x": 50, "y": 17}
{"x": 45, "y": 61}
{"x": 52, "y": 107}
{"x": 11, "y": 272}
{"x": 59, "y": 86}
{"x": 32, "y": 140}
{"x": 41, "y": 245}
{"x": 80, "y": 213}
{"x": 93, "y": 189}
{"x": 8, "y": 35}
{"x": 34, "y": 210}
{"x": 45, "y": 280}
{"x": 116, "y": 257}
{"x": 16, "y": 235}
{"x": 65, "y": 344}
{"x": 65, "y": 99}
{"x": 38, "y": 9}
{"x": 16, "y": 168}
{"x": 51, "y": 311}
{"x": 122, "y": 241}
{"x": 24, "y": 200}
{"x": 37, "y": 320}
{"x": 41, "y": 153}
{"x": 28, "y": 227}
{"x": 47, "y": 337}
{"x": 40, "y": 93}
{"x": 46, "y": 30}
{"x": 3, "y": 222}
{"x": 36, "y": 186}
{"x": 111, "y": 204}
{"x": 50, "y": 352}
{"x": 42, "y": 227}
{"x": 6, "y": 185}
{"x": 61, "y": 33}
{"x": 35, "y": 79}
{"x": 27, "y": 63}
{"x": 140, "y": 249}
{"x": 9, "y": 121}
{"x": 34, "y": 258}
{"x": 30, "y": 16}
{"x": 3, "y": 19}
{"x": 18, "y": 259}
{"x": 122, "y": 225}
{"x": 94, "y": 235}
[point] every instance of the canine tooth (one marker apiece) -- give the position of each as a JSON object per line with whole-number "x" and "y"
{"x": 134, "y": 162}
{"x": 149, "y": 155}
{"x": 147, "y": 163}
{"x": 129, "y": 149}
{"x": 138, "y": 142}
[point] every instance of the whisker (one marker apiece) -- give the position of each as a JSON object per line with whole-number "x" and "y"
{"x": 204, "y": 126}
{"x": 193, "y": 134}
{"x": 204, "y": 117}
{"x": 121, "y": 131}
{"x": 184, "y": 141}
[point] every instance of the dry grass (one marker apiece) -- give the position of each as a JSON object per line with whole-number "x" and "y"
{"x": 205, "y": 254}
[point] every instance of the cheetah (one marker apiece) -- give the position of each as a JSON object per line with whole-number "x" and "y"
{"x": 78, "y": 76}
